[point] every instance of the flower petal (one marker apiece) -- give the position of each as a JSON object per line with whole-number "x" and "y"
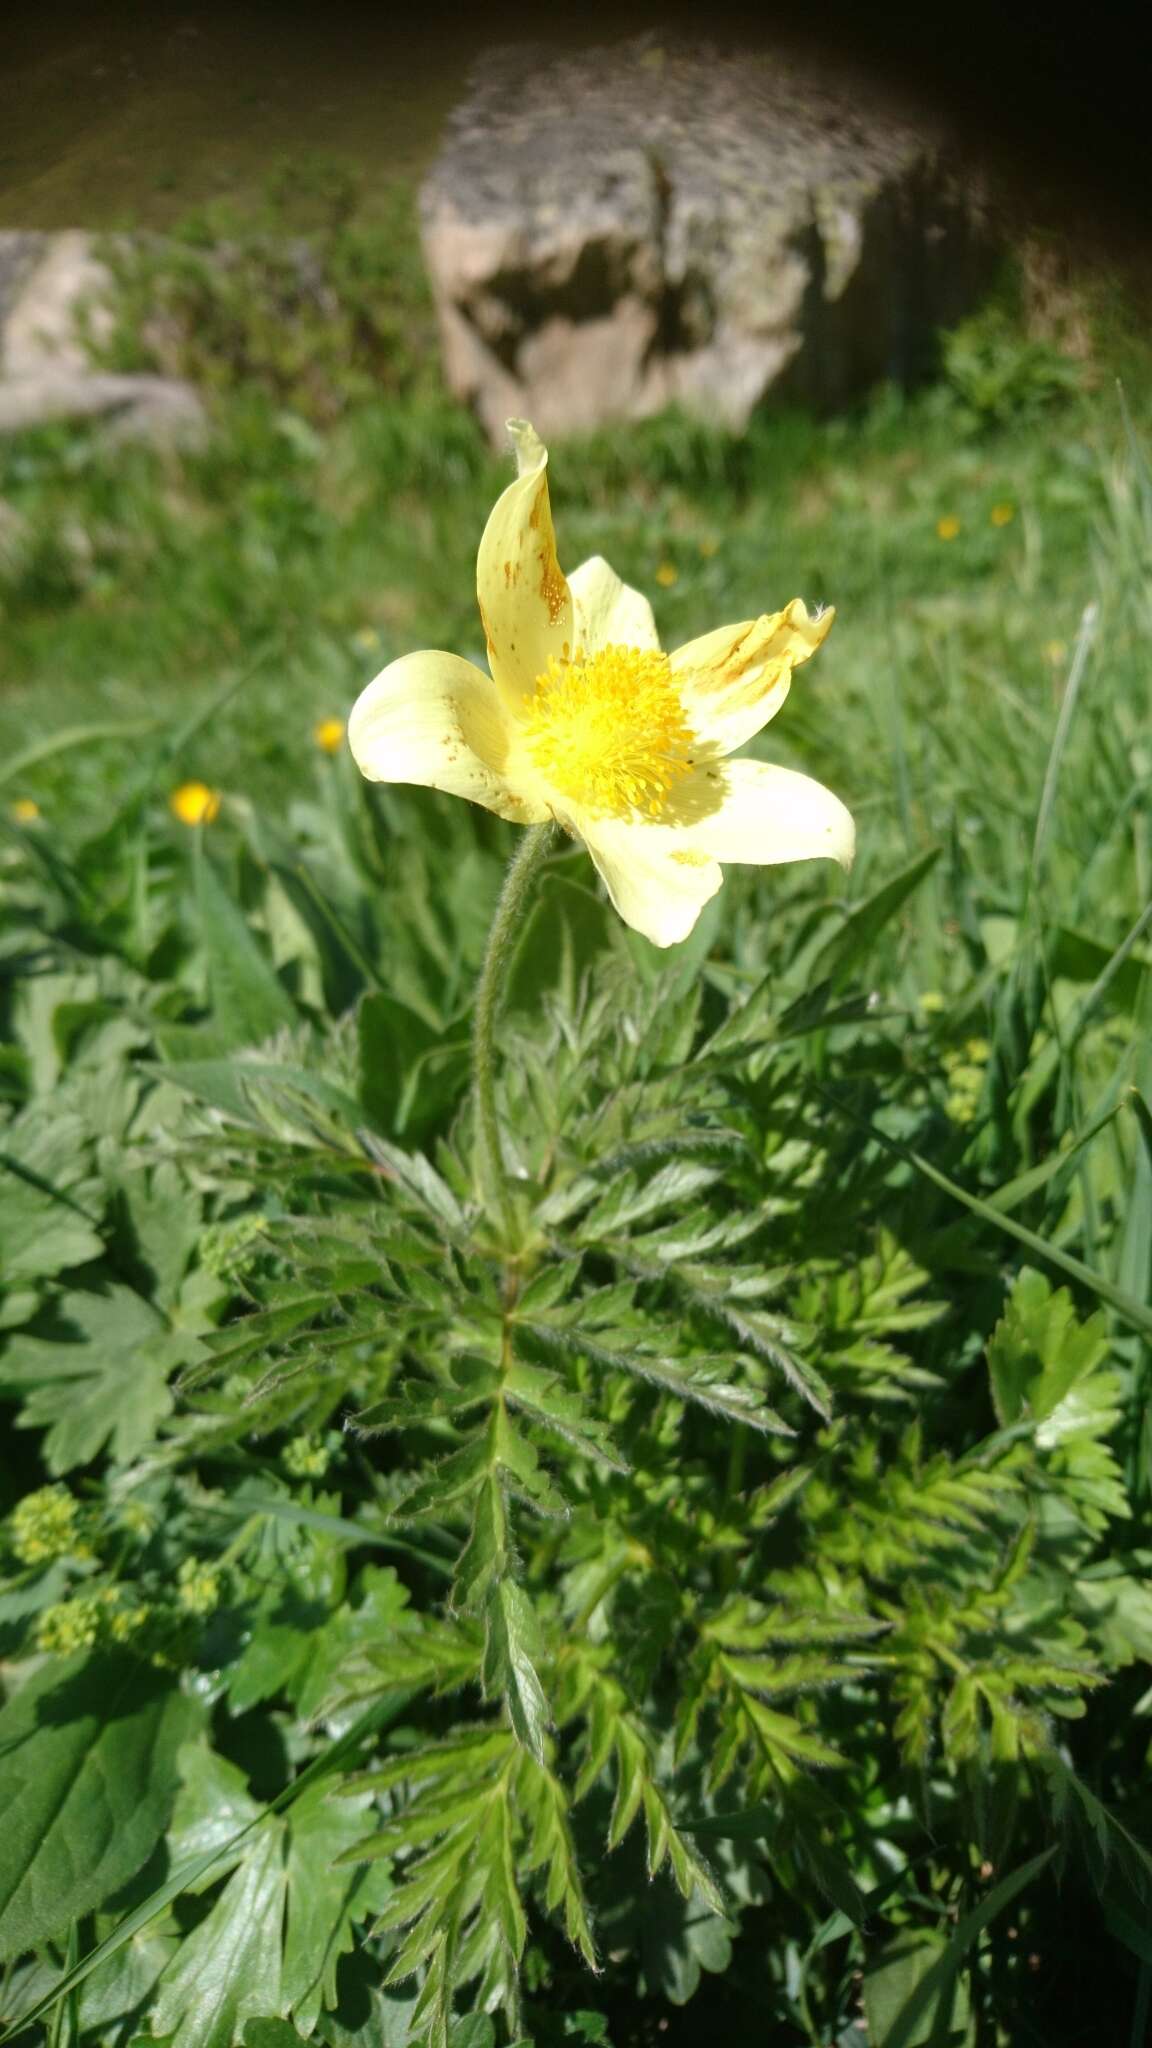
{"x": 435, "y": 719}
{"x": 734, "y": 680}
{"x": 608, "y": 612}
{"x": 657, "y": 883}
{"x": 754, "y": 812}
{"x": 525, "y": 602}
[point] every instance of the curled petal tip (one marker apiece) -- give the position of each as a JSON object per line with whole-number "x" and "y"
{"x": 530, "y": 450}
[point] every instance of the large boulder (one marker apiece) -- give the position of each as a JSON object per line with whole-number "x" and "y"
{"x": 613, "y": 232}
{"x": 53, "y": 292}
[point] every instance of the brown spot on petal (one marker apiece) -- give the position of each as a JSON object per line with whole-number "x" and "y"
{"x": 553, "y": 587}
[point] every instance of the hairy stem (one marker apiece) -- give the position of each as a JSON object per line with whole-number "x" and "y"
{"x": 530, "y": 855}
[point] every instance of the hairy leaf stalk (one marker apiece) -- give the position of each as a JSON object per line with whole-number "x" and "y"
{"x": 523, "y": 868}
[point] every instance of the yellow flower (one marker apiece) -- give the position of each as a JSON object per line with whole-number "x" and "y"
{"x": 948, "y": 527}
{"x": 367, "y": 639}
{"x": 667, "y": 574}
{"x": 25, "y": 810}
{"x": 584, "y": 719}
{"x": 328, "y": 734}
{"x": 194, "y": 803}
{"x": 709, "y": 547}
{"x": 1002, "y": 515}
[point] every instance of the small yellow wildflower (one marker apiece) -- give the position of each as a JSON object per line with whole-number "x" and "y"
{"x": 667, "y": 574}
{"x": 948, "y": 527}
{"x": 126, "y": 1622}
{"x": 709, "y": 547}
{"x": 328, "y": 734}
{"x": 71, "y": 1625}
{"x": 305, "y": 1458}
{"x": 367, "y": 639}
{"x": 136, "y": 1520}
{"x": 586, "y": 720}
{"x": 199, "y": 1587}
{"x": 44, "y": 1525}
{"x": 932, "y": 1002}
{"x": 25, "y": 810}
{"x": 1002, "y": 515}
{"x": 194, "y": 803}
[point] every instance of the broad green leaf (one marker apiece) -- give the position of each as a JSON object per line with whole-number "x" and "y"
{"x": 249, "y": 1002}
{"x": 896, "y": 1976}
{"x": 410, "y": 1073}
{"x": 272, "y": 2034}
{"x": 88, "y": 1755}
{"x": 229, "y": 1968}
{"x": 121, "y": 1986}
{"x": 48, "y": 1199}
{"x": 102, "y": 1380}
{"x": 237, "y": 1087}
{"x": 382, "y": 1710}
{"x": 564, "y": 930}
{"x": 212, "y": 1809}
{"x": 327, "y": 1896}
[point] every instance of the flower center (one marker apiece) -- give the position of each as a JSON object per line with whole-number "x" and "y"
{"x": 610, "y": 732}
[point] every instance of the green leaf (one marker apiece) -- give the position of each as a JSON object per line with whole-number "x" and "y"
{"x": 229, "y": 1968}
{"x": 272, "y": 2034}
{"x": 249, "y": 1003}
{"x": 87, "y": 1780}
{"x": 512, "y": 1647}
{"x": 852, "y": 943}
{"x": 105, "y": 1381}
{"x": 928, "y": 1986}
{"x": 327, "y": 1896}
{"x": 564, "y": 930}
{"x": 382, "y": 1710}
{"x": 410, "y": 1074}
{"x": 895, "y": 1978}
{"x": 213, "y": 1807}
{"x": 1040, "y": 1350}
{"x": 127, "y": 1979}
{"x": 1137, "y": 1314}
{"x": 47, "y": 1219}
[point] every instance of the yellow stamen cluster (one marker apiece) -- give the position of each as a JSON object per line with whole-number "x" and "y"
{"x": 610, "y": 733}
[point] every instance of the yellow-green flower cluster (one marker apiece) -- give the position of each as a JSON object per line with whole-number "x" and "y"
{"x": 44, "y": 1526}
{"x": 136, "y": 1520}
{"x": 199, "y": 1587}
{"x": 304, "y": 1458}
{"x": 104, "y": 1616}
{"x": 226, "y": 1246}
{"x": 965, "y": 1067}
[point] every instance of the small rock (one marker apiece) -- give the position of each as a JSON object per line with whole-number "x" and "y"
{"x": 157, "y": 409}
{"x": 664, "y": 222}
{"x": 41, "y": 327}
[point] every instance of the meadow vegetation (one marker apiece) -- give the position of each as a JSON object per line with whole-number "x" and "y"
{"x": 717, "y": 1596}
